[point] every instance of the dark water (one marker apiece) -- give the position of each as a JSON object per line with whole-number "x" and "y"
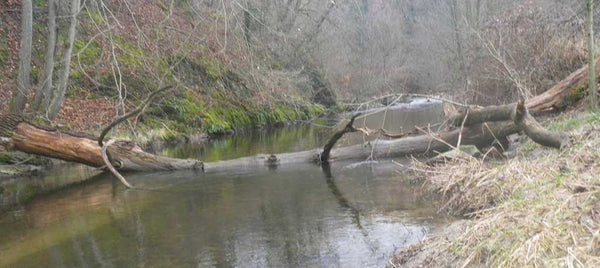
{"x": 303, "y": 215}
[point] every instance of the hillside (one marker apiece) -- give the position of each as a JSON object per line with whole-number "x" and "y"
{"x": 124, "y": 50}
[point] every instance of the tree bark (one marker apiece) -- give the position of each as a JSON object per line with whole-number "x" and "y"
{"x": 567, "y": 91}
{"x": 60, "y": 91}
{"x": 44, "y": 89}
{"x": 126, "y": 156}
{"x": 23, "y": 84}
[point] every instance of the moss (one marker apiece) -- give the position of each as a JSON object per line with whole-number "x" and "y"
{"x": 213, "y": 68}
{"x": 130, "y": 55}
{"x": 87, "y": 54}
{"x": 227, "y": 116}
{"x": 277, "y": 66}
{"x": 95, "y": 16}
{"x": 575, "y": 95}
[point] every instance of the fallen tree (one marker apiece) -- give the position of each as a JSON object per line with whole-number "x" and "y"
{"x": 480, "y": 127}
{"x": 125, "y": 155}
{"x": 565, "y": 92}
{"x": 21, "y": 135}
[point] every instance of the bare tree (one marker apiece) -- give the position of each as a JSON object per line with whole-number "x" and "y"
{"x": 44, "y": 89}
{"x": 59, "y": 93}
{"x": 23, "y": 84}
{"x": 591, "y": 57}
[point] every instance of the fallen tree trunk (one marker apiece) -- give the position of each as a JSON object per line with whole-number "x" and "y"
{"x": 480, "y": 129}
{"x": 568, "y": 90}
{"x": 125, "y": 155}
{"x": 480, "y": 135}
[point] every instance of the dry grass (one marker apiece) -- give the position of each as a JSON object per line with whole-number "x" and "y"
{"x": 538, "y": 209}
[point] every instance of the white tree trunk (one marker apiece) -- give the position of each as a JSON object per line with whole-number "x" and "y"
{"x": 23, "y": 85}
{"x": 61, "y": 89}
{"x": 43, "y": 92}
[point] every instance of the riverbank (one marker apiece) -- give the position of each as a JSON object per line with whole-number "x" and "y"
{"x": 538, "y": 208}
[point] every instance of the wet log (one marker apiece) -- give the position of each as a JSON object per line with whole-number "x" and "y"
{"x": 18, "y": 134}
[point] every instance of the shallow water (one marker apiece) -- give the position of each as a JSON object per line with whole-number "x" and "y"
{"x": 346, "y": 215}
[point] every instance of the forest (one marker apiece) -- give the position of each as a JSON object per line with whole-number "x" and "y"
{"x": 433, "y": 133}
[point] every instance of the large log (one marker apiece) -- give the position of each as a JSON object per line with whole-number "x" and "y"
{"x": 421, "y": 145}
{"x": 27, "y": 137}
{"x": 557, "y": 97}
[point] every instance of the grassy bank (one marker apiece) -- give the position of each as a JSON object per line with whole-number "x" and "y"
{"x": 538, "y": 209}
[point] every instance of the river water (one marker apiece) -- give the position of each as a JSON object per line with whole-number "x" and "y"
{"x": 345, "y": 215}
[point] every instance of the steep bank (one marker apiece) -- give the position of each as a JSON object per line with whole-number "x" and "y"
{"x": 538, "y": 208}
{"x": 124, "y": 51}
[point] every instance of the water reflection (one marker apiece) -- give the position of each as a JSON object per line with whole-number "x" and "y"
{"x": 301, "y": 215}
{"x": 298, "y": 216}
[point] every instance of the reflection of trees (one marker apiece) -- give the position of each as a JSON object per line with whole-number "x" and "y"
{"x": 355, "y": 213}
{"x": 326, "y": 167}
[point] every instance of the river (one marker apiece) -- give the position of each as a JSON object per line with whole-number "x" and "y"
{"x": 299, "y": 216}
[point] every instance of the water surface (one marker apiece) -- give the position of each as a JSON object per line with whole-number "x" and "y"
{"x": 302, "y": 215}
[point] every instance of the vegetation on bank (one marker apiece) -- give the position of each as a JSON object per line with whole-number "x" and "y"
{"x": 220, "y": 87}
{"x": 538, "y": 208}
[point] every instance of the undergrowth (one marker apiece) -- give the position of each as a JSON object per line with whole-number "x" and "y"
{"x": 538, "y": 209}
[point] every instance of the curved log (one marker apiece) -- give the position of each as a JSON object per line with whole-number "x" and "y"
{"x": 535, "y": 131}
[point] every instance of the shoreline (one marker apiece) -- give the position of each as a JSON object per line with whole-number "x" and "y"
{"x": 540, "y": 207}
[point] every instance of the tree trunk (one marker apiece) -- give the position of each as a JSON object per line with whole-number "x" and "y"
{"x": 591, "y": 52}
{"x": 60, "y": 91}
{"x": 23, "y": 85}
{"x": 22, "y": 136}
{"x": 567, "y": 91}
{"x": 44, "y": 89}
{"x": 26, "y": 137}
